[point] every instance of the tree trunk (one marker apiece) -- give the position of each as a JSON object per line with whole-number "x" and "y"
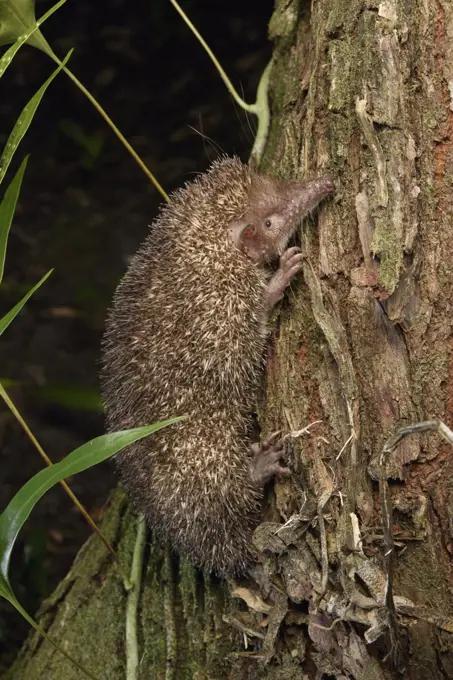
{"x": 362, "y": 346}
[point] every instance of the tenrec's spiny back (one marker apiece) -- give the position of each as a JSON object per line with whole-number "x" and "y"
{"x": 186, "y": 337}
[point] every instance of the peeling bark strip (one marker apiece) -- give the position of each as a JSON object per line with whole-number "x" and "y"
{"x": 364, "y": 344}
{"x": 367, "y": 127}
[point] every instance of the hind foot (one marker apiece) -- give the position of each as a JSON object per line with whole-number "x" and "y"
{"x": 265, "y": 463}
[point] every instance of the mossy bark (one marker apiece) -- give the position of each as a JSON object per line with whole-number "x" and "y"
{"x": 362, "y": 343}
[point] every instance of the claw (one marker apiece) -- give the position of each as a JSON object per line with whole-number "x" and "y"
{"x": 270, "y": 439}
{"x": 290, "y": 265}
{"x": 265, "y": 463}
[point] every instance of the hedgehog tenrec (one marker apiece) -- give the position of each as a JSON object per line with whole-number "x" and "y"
{"x": 186, "y": 336}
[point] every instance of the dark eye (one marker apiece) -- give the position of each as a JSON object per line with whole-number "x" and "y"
{"x": 268, "y": 224}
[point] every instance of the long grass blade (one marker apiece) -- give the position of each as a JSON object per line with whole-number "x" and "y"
{"x": 24, "y": 121}
{"x": 95, "y": 451}
{"x": 7, "y": 209}
{"x": 6, "y": 320}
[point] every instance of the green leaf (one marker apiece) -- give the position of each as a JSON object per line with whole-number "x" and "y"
{"x": 30, "y": 32}
{"x": 7, "y": 208}
{"x": 24, "y": 120}
{"x": 4, "y": 323}
{"x": 16, "y": 16}
{"x": 91, "y": 453}
{"x": 6, "y": 590}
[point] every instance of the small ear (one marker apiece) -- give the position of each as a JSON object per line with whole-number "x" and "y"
{"x": 249, "y": 241}
{"x": 247, "y": 237}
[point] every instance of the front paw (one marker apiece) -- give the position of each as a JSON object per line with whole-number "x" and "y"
{"x": 290, "y": 265}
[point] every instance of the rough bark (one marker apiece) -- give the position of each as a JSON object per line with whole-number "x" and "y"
{"x": 362, "y": 344}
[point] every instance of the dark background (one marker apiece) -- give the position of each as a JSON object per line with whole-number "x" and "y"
{"x": 84, "y": 209}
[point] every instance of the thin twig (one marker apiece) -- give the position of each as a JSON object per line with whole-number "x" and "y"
{"x": 344, "y": 446}
{"x": 117, "y": 132}
{"x": 132, "y": 662}
{"x": 263, "y": 115}
{"x": 295, "y": 434}
{"x": 386, "y": 510}
{"x": 169, "y": 616}
{"x": 331, "y": 627}
{"x": 260, "y": 108}
{"x": 323, "y": 500}
{"x": 44, "y": 45}
{"x": 251, "y": 108}
{"x": 251, "y": 632}
{"x": 42, "y": 632}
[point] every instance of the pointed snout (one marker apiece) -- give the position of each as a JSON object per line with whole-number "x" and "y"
{"x": 303, "y": 199}
{"x": 309, "y": 193}
{"x": 321, "y": 187}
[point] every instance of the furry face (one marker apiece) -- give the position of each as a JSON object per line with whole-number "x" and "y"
{"x": 275, "y": 209}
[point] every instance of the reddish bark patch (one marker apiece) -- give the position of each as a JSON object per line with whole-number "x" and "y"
{"x": 365, "y": 276}
{"x": 302, "y": 353}
{"x": 446, "y": 129}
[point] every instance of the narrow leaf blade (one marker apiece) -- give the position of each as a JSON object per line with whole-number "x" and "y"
{"x": 7, "y": 209}
{"x": 87, "y": 455}
{"x": 24, "y": 121}
{"x": 4, "y": 323}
